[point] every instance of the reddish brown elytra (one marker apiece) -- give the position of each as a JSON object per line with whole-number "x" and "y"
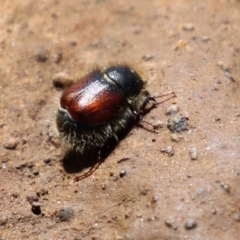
{"x": 93, "y": 101}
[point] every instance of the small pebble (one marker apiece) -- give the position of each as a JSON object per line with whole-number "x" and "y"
{"x": 36, "y": 208}
{"x": 2, "y": 123}
{"x": 32, "y": 198}
{"x": 170, "y": 223}
{"x": 35, "y": 205}
{"x": 155, "y": 199}
{"x": 42, "y": 54}
{"x": 11, "y": 143}
{"x": 62, "y": 80}
{"x": 158, "y": 124}
{"x": 222, "y": 66}
{"x": 30, "y": 165}
{"x": 177, "y": 124}
{"x": 122, "y": 173}
{"x": 42, "y": 192}
{"x": 181, "y": 44}
{"x": 35, "y": 172}
{"x": 190, "y": 224}
{"x": 128, "y": 212}
{"x": 148, "y": 57}
{"x": 214, "y": 211}
{"x": 172, "y": 109}
{"x": 24, "y": 141}
{"x": 58, "y": 58}
{"x": 229, "y": 76}
{"x": 4, "y": 165}
{"x": 175, "y": 138}
{"x": 150, "y": 219}
{"x": 21, "y": 166}
{"x": 65, "y": 214}
{"x": 47, "y": 161}
{"x": 189, "y": 27}
{"x": 225, "y": 186}
{"x": 226, "y": 69}
{"x": 3, "y": 221}
{"x": 15, "y": 195}
{"x": 169, "y": 150}
{"x": 236, "y": 217}
{"x": 193, "y": 152}
{"x": 73, "y": 43}
{"x": 205, "y": 39}
{"x": 144, "y": 192}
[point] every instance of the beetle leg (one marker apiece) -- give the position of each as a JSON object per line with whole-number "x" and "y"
{"x": 89, "y": 172}
{"x": 153, "y": 98}
{"x": 92, "y": 169}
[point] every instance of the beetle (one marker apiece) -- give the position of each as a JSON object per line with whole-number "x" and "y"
{"x": 102, "y": 106}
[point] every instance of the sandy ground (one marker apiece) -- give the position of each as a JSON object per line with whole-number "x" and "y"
{"x": 175, "y": 185}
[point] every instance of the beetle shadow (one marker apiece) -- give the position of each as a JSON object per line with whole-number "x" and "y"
{"x": 75, "y": 162}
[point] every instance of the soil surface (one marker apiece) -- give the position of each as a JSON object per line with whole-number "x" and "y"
{"x": 165, "y": 185}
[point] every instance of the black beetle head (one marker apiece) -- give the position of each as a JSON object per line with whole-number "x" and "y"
{"x": 126, "y": 78}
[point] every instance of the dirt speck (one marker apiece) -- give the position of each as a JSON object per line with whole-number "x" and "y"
{"x": 42, "y": 54}
{"x": 62, "y": 80}
{"x": 11, "y": 143}
{"x": 123, "y": 173}
{"x": 170, "y": 223}
{"x": 172, "y": 109}
{"x": 193, "y": 151}
{"x": 189, "y": 27}
{"x": 177, "y": 124}
{"x": 190, "y": 224}
{"x": 65, "y": 214}
{"x": 36, "y": 208}
{"x": 169, "y": 150}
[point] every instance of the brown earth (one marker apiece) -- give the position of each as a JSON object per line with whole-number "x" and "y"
{"x": 190, "y": 47}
